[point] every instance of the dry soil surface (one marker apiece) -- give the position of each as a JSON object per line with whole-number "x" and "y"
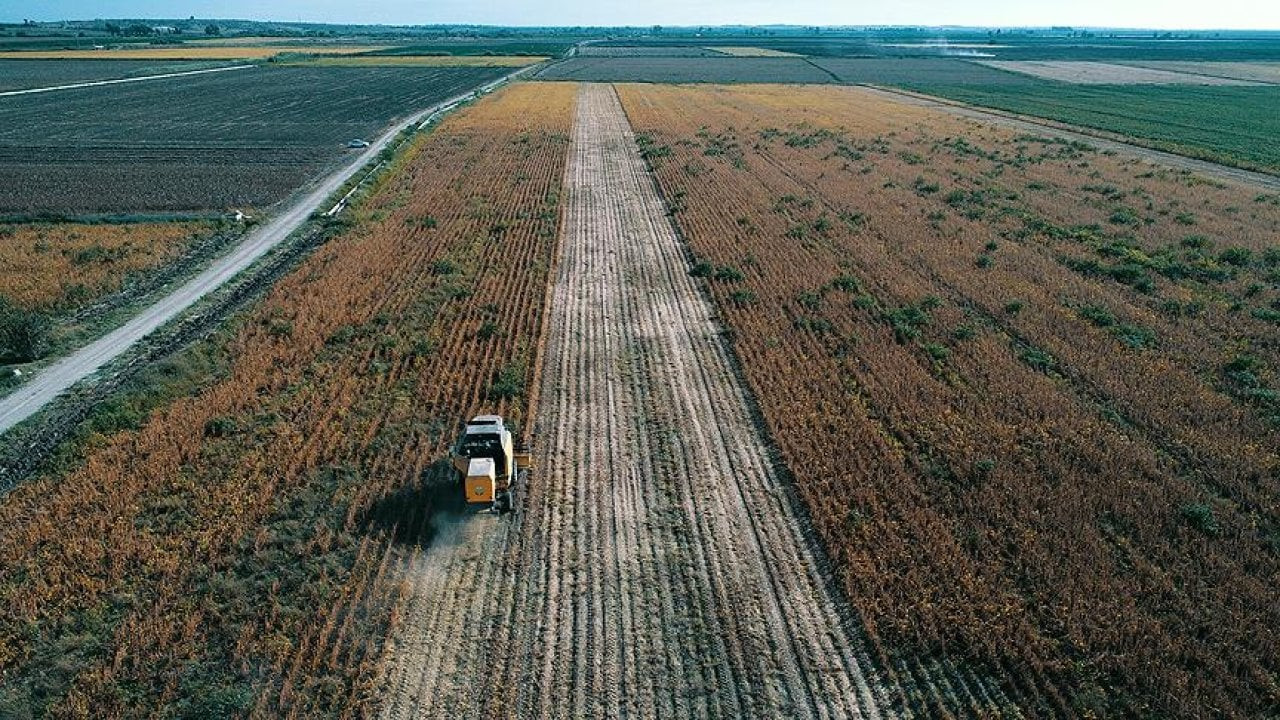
{"x": 658, "y": 566}
{"x": 1263, "y": 72}
{"x": 1098, "y": 73}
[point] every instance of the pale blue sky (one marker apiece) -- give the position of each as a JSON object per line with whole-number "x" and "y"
{"x": 1218, "y": 14}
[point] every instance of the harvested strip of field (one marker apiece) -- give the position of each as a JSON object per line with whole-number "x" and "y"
{"x": 189, "y": 52}
{"x": 1263, "y": 72}
{"x": 427, "y": 61}
{"x": 739, "y": 51}
{"x": 234, "y": 140}
{"x": 1027, "y": 389}
{"x": 235, "y": 553}
{"x": 1098, "y": 73}
{"x": 685, "y": 70}
{"x": 65, "y": 266}
{"x": 659, "y": 567}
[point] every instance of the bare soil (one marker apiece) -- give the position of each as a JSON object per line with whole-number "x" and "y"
{"x": 1099, "y": 73}
{"x": 659, "y": 565}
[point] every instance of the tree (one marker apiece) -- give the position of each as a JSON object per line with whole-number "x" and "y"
{"x": 212, "y": 29}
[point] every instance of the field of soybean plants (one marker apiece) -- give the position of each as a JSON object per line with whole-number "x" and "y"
{"x": 1028, "y": 390}
{"x": 235, "y": 551}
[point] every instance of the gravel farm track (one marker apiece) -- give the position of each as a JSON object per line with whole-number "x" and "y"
{"x": 659, "y": 565}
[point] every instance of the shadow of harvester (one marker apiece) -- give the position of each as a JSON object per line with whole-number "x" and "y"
{"x": 413, "y": 514}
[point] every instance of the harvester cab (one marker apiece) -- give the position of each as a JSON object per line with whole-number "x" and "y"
{"x": 490, "y": 467}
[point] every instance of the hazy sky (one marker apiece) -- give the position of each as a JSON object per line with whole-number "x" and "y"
{"x": 1220, "y": 14}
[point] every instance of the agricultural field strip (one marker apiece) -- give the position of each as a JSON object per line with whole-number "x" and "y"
{"x": 1049, "y": 128}
{"x": 118, "y": 81}
{"x": 659, "y": 567}
{"x": 1100, "y": 73}
{"x": 1258, "y": 72}
{"x": 27, "y": 399}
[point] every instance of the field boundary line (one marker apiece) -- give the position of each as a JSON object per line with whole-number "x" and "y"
{"x": 828, "y": 73}
{"x": 1100, "y": 139}
{"x": 120, "y": 81}
{"x": 27, "y": 399}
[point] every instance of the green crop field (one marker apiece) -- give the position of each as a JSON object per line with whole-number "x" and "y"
{"x": 1233, "y": 125}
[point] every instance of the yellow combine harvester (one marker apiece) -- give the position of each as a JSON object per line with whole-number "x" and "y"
{"x": 491, "y": 468}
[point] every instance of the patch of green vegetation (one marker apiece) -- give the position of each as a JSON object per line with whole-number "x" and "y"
{"x": 1038, "y": 359}
{"x": 924, "y": 187}
{"x": 1131, "y": 335}
{"x": 508, "y": 382}
{"x": 1200, "y": 516}
{"x": 650, "y": 150}
{"x": 1243, "y": 379}
{"x": 973, "y": 204}
{"x": 728, "y": 273}
{"x": 24, "y": 334}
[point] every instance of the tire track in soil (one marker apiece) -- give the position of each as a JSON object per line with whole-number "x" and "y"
{"x": 657, "y": 566}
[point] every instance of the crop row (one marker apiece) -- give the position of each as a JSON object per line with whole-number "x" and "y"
{"x": 1035, "y": 439}
{"x": 236, "y": 552}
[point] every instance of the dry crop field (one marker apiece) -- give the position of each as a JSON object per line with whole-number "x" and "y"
{"x": 64, "y": 266}
{"x": 1027, "y": 389}
{"x": 238, "y": 551}
{"x": 204, "y": 142}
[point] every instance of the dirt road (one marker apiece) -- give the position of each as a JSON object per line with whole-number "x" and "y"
{"x": 1097, "y": 138}
{"x": 659, "y": 566}
{"x": 48, "y": 383}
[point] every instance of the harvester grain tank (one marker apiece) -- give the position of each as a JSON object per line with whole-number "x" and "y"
{"x": 491, "y": 467}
